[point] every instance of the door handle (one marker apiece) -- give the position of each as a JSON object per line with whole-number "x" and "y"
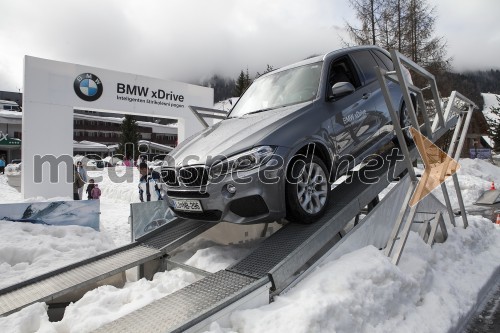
{"x": 366, "y": 95}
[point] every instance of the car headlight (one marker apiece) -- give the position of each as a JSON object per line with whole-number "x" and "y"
{"x": 242, "y": 162}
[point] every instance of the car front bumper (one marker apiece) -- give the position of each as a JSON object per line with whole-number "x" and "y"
{"x": 259, "y": 196}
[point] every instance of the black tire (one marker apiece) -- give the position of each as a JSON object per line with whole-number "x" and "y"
{"x": 306, "y": 195}
{"x": 405, "y": 122}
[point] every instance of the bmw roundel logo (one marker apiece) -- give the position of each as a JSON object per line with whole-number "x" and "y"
{"x": 88, "y": 87}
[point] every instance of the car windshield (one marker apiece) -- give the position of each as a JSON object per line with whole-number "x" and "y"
{"x": 291, "y": 86}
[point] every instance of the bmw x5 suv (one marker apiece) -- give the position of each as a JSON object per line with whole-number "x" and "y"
{"x": 278, "y": 151}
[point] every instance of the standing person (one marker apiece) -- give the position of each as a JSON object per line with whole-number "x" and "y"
{"x": 77, "y": 184}
{"x": 96, "y": 192}
{"x": 127, "y": 162}
{"x": 83, "y": 175}
{"x": 148, "y": 183}
{"x": 90, "y": 186}
{"x": 2, "y": 165}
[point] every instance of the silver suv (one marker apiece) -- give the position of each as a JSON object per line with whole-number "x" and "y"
{"x": 280, "y": 148}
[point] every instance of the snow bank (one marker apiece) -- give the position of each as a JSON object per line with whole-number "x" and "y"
{"x": 7, "y": 192}
{"x": 475, "y": 177}
{"x": 364, "y": 292}
{"x": 28, "y": 250}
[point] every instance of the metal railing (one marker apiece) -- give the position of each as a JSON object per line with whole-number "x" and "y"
{"x": 457, "y": 113}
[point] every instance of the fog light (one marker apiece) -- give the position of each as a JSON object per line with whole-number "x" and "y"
{"x": 231, "y": 188}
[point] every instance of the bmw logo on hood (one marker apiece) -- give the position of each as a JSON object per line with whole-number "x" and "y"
{"x": 88, "y": 87}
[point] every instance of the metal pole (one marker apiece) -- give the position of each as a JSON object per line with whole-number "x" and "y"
{"x": 397, "y": 225}
{"x": 196, "y": 114}
{"x": 404, "y": 238}
{"x": 460, "y": 200}
{"x": 446, "y": 111}
{"x": 463, "y": 134}
{"x": 455, "y": 135}
{"x": 457, "y": 156}
{"x": 404, "y": 88}
{"x": 395, "y": 121}
{"x": 448, "y": 204}
{"x": 437, "y": 222}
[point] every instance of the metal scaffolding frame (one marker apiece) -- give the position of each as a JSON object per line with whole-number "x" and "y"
{"x": 457, "y": 108}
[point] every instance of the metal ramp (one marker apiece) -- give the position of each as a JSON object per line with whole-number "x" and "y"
{"x": 272, "y": 266}
{"x": 181, "y": 310}
{"x": 84, "y": 274}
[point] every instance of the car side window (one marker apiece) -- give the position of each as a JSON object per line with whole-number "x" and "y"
{"x": 387, "y": 62}
{"x": 367, "y": 64}
{"x": 341, "y": 70}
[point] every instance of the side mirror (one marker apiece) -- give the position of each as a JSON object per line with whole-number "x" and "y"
{"x": 341, "y": 89}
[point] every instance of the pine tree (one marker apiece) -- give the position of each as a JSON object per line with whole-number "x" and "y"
{"x": 242, "y": 84}
{"x": 269, "y": 68}
{"x": 248, "y": 81}
{"x": 244, "y": 81}
{"x": 494, "y": 130}
{"x": 129, "y": 138}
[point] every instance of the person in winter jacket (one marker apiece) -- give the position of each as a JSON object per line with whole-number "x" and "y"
{"x": 83, "y": 175}
{"x": 2, "y": 165}
{"x": 96, "y": 192}
{"x": 77, "y": 184}
{"x": 148, "y": 183}
{"x": 90, "y": 186}
{"x": 128, "y": 162}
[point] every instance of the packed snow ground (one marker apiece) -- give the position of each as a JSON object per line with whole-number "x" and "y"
{"x": 360, "y": 292}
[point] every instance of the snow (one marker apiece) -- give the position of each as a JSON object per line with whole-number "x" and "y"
{"x": 11, "y": 114}
{"x": 489, "y": 141}
{"x": 364, "y": 292}
{"x": 475, "y": 177}
{"x": 28, "y": 250}
{"x": 490, "y": 100}
{"x": 359, "y": 292}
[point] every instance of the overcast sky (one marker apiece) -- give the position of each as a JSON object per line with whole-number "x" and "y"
{"x": 187, "y": 40}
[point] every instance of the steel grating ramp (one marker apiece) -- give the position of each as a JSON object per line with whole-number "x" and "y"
{"x": 82, "y": 274}
{"x": 188, "y": 306}
{"x": 47, "y": 289}
{"x": 175, "y": 233}
{"x": 275, "y": 260}
{"x": 287, "y": 250}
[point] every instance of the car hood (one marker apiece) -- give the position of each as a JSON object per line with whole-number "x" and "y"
{"x": 234, "y": 135}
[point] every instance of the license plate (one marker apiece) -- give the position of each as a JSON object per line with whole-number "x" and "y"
{"x": 188, "y": 205}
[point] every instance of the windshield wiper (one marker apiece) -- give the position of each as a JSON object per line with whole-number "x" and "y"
{"x": 267, "y": 109}
{"x": 261, "y": 110}
{"x": 256, "y": 111}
